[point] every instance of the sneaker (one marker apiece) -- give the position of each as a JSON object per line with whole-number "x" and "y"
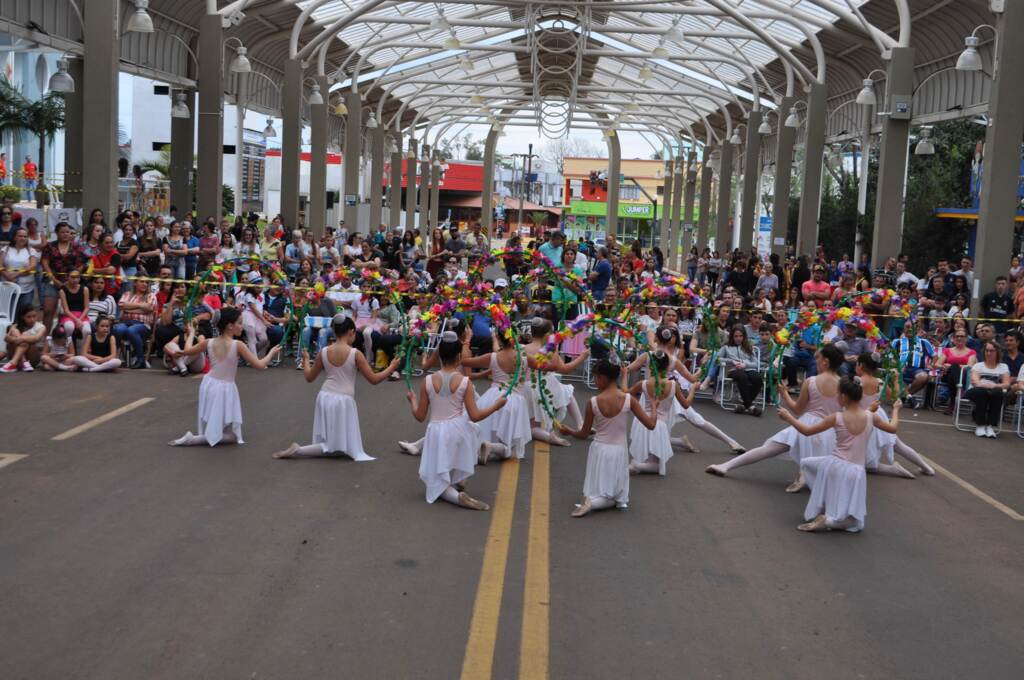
{"x": 979, "y": 431}
{"x": 27, "y": 367}
{"x": 990, "y": 431}
{"x": 755, "y": 411}
{"x": 740, "y": 410}
{"x": 9, "y": 367}
{"x": 140, "y": 363}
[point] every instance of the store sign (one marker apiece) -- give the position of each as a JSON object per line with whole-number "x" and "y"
{"x": 640, "y": 211}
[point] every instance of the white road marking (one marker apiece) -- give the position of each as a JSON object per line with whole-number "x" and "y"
{"x": 970, "y": 488}
{"x": 8, "y": 458}
{"x": 85, "y": 427}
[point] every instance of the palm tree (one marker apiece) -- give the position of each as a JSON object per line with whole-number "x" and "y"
{"x": 42, "y": 118}
{"x": 162, "y": 165}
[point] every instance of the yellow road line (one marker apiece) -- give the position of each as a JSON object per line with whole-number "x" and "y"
{"x": 970, "y": 488}
{"x": 85, "y": 427}
{"x": 483, "y": 627}
{"x": 8, "y": 458}
{"x": 534, "y": 643}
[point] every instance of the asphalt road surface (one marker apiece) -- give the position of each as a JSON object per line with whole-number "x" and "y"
{"x": 121, "y": 557}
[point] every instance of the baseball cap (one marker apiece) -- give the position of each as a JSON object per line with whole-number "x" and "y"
{"x": 501, "y": 283}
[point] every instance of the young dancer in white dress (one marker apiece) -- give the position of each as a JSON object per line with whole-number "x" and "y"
{"x": 562, "y": 399}
{"x": 452, "y": 442}
{"x": 507, "y": 432}
{"x": 607, "y": 482}
{"x": 817, "y": 400}
{"x": 430, "y": 360}
{"x": 652, "y": 449}
{"x": 837, "y": 479}
{"x": 883, "y": 445}
{"x": 667, "y": 339}
{"x": 336, "y": 417}
{"x": 220, "y": 409}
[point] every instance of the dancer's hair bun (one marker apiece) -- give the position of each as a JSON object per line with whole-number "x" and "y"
{"x": 449, "y": 336}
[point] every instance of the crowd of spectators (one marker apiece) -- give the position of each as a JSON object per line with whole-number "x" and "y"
{"x": 83, "y": 305}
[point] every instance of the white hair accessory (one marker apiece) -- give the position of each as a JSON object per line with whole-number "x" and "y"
{"x": 449, "y": 336}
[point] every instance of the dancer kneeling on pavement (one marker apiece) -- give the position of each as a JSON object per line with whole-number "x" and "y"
{"x": 837, "y": 479}
{"x": 817, "y": 400}
{"x": 452, "y": 441}
{"x": 220, "y": 409}
{"x": 563, "y": 401}
{"x": 667, "y": 338}
{"x": 651, "y": 449}
{"x": 883, "y": 446}
{"x": 336, "y": 418}
{"x": 507, "y": 432}
{"x": 607, "y": 482}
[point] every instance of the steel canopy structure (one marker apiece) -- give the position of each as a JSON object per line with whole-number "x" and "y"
{"x": 725, "y": 90}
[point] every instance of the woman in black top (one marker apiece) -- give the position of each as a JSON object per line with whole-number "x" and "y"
{"x": 150, "y": 248}
{"x": 99, "y": 352}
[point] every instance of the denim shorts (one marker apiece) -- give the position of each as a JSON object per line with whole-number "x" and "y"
{"x": 47, "y": 291}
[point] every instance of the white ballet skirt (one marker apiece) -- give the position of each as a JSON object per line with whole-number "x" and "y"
{"x": 560, "y": 396}
{"x": 219, "y": 407}
{"x": 336, "y": 425}
{"x": 608, "y": 457}
{"x": 881, "y": 447}
{"x": 607, "y": 473}
{"x": 452, "y": 442}
{"x": 801, "y": 447}
{"x": 838, "y": 489}
{"x": 509, "y": 425}
{"x": 449, "y": 454}
{"x": 656, "y": 442}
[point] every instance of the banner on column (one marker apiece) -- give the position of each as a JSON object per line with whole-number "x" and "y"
{"x": 764, "y": 236}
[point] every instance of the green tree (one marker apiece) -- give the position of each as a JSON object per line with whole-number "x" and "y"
{"x": 939, "y": 181}
{"x": 42, "y": 118}
{"x": 161, "y": 165}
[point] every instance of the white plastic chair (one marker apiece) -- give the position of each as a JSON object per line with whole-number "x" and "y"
{"x": 965, "y": 406}
{"x": 9, "y": 294}
{"x": 724, "y": 382}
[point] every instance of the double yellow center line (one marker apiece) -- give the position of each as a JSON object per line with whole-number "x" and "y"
{"x": 483, "y": 628}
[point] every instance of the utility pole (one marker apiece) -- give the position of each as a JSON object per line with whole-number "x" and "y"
{"x": 524, "y": 188}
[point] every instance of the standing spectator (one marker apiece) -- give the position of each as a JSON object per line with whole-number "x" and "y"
{"x": 59, "y": 259}
{"x": 887, "y": 273}
{"x": 817, "y": 290}
{"x": 292, "y": 256}
{"x": 29, "y": 172}
{"x": 454, "y": 245}
{"x": 19, "y": 263}
{"x": 601, "y": 276}
{"x": 106, "y": 266}
{"x": 209, "y": 246}
{"x": 553, "y": 248}
{"x": 477, "y": 241}
{"x": 192, "y": 246}
{"x": 1015, "y": 272}
{"x": 966, "y": 271}
{"x": 6, "y": 224}
{"x": 801, "y": 274}
{"x": 998, "y": 305}
{"x": 990, "y": 380}
{"x": 128, "y": 250}
{"x": 903, "y": 276}
{"x": 714, "y": 268}
{"x": 768, "y": 280}
{"x": 175, "y": 250}
{"x": 150, "y": 248}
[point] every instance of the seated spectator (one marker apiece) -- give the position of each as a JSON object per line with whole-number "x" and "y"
{"x": 852, "y": 346}
{"x": 983, "y": 333}
{"x": 100, "y": 351}
{"x": 990, "y": 381}
{"x": 170, "y": 334}
{"x": 101, "y": 303}
{"x": 952, "y": 360}
{"x": 737, "y": 358}
{"x": 275, "y": 313}
{"x": 1013, "y": 357}
{"x": 59, "y": 354}
{"x": 916, "y": 355}
{"x": 801, "y": 356}
{"x": 74, "y": 305}
{"x": 138, "y": 311}
{"x": 26, "y": 339}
